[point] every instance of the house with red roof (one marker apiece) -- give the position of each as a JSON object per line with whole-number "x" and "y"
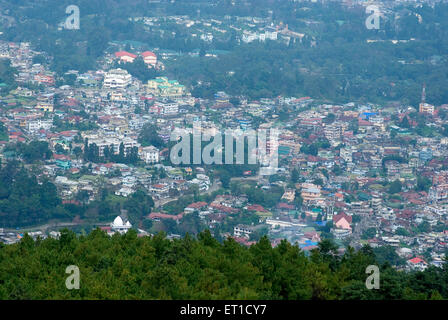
{"x": 195, "y": 206}
{"x": 125, "y": 56}
{"x": 342, "y": 221}
{"x": 285, "y": 206}
{"x": 160, "y": 189}
{"x": 215, "y": 218}
{"x": 417, "y": 263}
{"x": 339, "y": 196}
{"x": 44, "y": 79}
{"x": 60, "y": 157}
{"x": 16, "y": 137}
{"x": 312, "y": 160}
{"x": 256, "y": 207}
{"x": 161, "y": 216}
{"x": 149, "y": 58}
{"x": 219, "y": 208}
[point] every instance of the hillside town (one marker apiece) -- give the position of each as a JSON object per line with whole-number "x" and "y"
{"x": 356, "y": 173}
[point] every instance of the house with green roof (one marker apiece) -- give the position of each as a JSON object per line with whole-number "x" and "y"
{"x": 163, "y": 87}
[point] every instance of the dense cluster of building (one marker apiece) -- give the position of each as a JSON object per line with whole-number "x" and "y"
{"x": 366, "y": 173}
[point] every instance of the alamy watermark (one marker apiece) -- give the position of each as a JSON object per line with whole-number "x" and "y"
{"x": 259, "y": 149}
{"x": 373, "y": 21}
{"x": 72, "y": 281}
{"x": 373, "y": 281}
{"x": 72, "y": 22}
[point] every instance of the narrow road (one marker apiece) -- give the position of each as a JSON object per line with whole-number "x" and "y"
{"x": 44, "y": 227}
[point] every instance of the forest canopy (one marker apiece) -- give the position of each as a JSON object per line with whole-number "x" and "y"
{"x": 131, "y": 267}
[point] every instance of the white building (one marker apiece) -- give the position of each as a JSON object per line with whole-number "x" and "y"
{"x": 113, "y": 143}
{"x": 281, "y": 223}
{"x": 332, "y": 132}
{"x": 346, "y": 154}
{"x": 341, "y": 233}
{"x": 117, "y": 78}
{"x": 119, "y": 226}
{"x": 170, "y": 109}
{"x": 242, "y": 231}
{"x": 207, "y": 37}
{"x": 150, "y": 154}
{"x": 36, "y": 125}
{"x": 124, "y": 192}
{"x": 269, "y": 33}
{"x": 248, "y": 37}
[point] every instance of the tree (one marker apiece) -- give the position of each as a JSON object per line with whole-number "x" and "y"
{"x": 83, "y": 196}
{"x": 329, "y": 118}
{"x": 139, "y": 205}
{"x": 3, "y": 132}
{"x": 59, "y": 149}
{"x": 369, "y": 233}
{"x": 139, "y": 69}
{"x": 7, "y": 76}
{"x": 405, "y": 123}
{"x": 423, "y": 183}
{"x": 318, "y": 181}
{"x": 402, "y": 232}
{"x": 235, "y": 101}
{"x": 387, "y": 254}
{"x": 311, "y": 149}
{"x": 77, "y": 151}
{"x": 395, "y": 187}
{"x": 225, "y": 180}
{"x": 295, "y": 175}
{"x": 149, "y": 136}
{"x": 34, "y": 151}
{"x": 424, "y": 227}
{"x": 121, "y": 152}
{"x": 327, "y": 246}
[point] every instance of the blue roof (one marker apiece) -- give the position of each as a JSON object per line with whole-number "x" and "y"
{"x": 308, "y": 243}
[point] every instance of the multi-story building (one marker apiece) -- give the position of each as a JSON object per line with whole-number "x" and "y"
{"x": 332, "y": 133}
{"x": 310, "y": 192}
{"x": 170, "y": 108}
{"x": 44, "y": 79}
{"x": 36, "y": 125}
{"x": 425, "y": 154}
{"x": 46, "y": 106}
{"x": 439, "y": 192}
{"x": 269, "y": 33}
{"x": 426, "y": 108}
{"x": 124, "y": 56}
{"x": 248, "y": 37}
{"x": 117, "y": 78}
{"x": 150, "y": 154}
{"x": 163, "y": 87}
{"x": 341, "y": 233}
{"x": 376, "y": 203}
{"x": 242, "y": 231}
{"x": 360, "y": 208}
{"x": 346, "y": 154}
{"x": 149, "y": 58}
{"x": 113, "y": 143}
{"x": 393, "y": 167}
